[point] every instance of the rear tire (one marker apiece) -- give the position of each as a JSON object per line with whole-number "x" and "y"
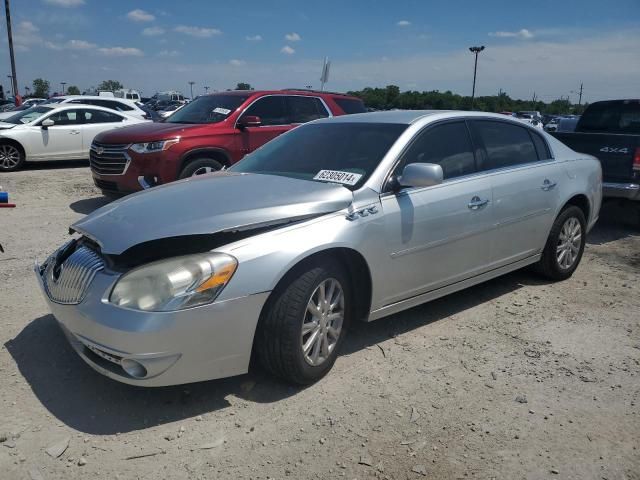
{"x": 11, "y": 157}
{"x": 200, "y": 166}
{"x": 565, "y": 245}
{"x": 304, "y": 323}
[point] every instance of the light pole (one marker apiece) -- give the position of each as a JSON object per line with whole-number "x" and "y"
{"x": 11, "y": 87}
{"x": 191, "y": 84}
{"x": 476, "y": 51}
{"x": 14, "y": 80}
{"x": 63, "y": 84}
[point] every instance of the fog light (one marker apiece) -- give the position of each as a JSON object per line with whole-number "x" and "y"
{"x": 133, "y": 368}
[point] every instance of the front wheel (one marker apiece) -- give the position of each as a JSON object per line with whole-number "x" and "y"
{"x": 200, "y": 166}
{"x": 11, "y": 158}
{"x": 565, "y": 245}
{"x": 304, "y": 323}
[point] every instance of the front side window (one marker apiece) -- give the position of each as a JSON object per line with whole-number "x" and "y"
{"x": 447, "y": 145}
{"x": 325, "y": 152}
{"x": 505, "y": 144}
{"x": 305, "y": 109}
{"x": 272, "y": 110}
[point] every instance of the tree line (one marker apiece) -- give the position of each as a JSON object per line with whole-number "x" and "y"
{"x": 391, "y": 97}
{"x": 42, "y": 88}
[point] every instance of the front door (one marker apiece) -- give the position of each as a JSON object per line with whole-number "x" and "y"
{"x": 272, "y": 111}
{"x": 438, "y": 235}
{"x": 62, "y": 140}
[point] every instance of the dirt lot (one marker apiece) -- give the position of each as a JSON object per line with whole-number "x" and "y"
{"x": 517, "y": 378}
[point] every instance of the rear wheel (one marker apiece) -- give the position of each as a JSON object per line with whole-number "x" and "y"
{"x": 305, "y": 323}
{"x": 11, "y": 157}
{"x": 200, "y": 166}
{"x": 565, "y": 245}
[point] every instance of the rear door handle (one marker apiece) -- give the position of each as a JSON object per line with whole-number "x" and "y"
{"x": 548, "y": 185}
{"x": 477, "y": 203}
{"x": 74, "y": 132}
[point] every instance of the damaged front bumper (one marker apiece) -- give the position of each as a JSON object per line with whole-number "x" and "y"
{"x": 158, "y": 348}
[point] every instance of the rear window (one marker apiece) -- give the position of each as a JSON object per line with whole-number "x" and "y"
{"x": 611, "y": 117}
{"x": 350, "y": 105}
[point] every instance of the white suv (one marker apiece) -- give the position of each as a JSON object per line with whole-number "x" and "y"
{"x": 119, "y": 104}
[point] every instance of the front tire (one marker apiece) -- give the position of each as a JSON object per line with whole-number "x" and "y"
{"x": 565, "y": 245}
{"x": 304, "y": 324}
{"x": 11, "y": 157}
{"x": 200, "y": 166}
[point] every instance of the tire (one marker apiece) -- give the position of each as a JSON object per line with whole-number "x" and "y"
{"x": 200, "y": 166}
{"x": 280, "y": 342}
{"x": 554, "y": 264}
{"x": 11, "y": 157}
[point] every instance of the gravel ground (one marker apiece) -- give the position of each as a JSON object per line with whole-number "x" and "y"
{"x": 516, "y": 378}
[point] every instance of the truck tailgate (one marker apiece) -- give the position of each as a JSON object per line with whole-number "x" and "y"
{"x": 614, "y": 151}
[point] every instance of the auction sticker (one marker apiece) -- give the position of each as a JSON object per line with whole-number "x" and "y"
{"x": 222, "y": 111}
{"x": 337, "y": 176}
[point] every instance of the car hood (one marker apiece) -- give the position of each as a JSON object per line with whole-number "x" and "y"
{"x": 207, "y": 204}
{"x": 4, "y": 125}
{"x": 145, "y": 132}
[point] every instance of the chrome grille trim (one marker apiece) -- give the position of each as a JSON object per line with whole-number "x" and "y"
{"x": 76, "y": 274}
{"x": 109, "y": 159}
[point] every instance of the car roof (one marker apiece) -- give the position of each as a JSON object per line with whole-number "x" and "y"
{"x": 71, "y": 106}
{"x": 97, "y": 97}
{"x": 408, "y": 116}
{"x": 287, "y": 91}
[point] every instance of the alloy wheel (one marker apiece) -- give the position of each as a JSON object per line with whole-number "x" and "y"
{"x": 569, "y": 243}
{"x": 9, "y": 156}
{"x": 322, "y": 322}
{"x": 202, "y": 171}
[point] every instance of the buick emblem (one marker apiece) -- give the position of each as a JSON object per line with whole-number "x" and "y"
{"x": 99, "y": 150}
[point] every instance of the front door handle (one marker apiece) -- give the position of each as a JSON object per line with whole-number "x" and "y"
{"x": 477, "y": 203}
{"x": 547, "y": 185}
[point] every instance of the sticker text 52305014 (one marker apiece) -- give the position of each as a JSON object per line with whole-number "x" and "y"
{"x": 337, "y": 176}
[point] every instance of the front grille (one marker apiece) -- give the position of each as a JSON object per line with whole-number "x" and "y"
{"x": 67, "y": 283}
{"x": 108, "y": 159}
{"x": 104, "y": 185}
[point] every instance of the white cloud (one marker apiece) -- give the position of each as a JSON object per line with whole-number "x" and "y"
{"x": 27, "y": 27}
{"x": 253, "y": 38}
{"x": 80, "y": 45}
{"x": 121, "y": 52}
{"x": 237, "y": 63}
{"x": 65, "y": 3}
{"x": 523, "y": 34}
{"x": 153, "y": 31}
{"x": 293, "y": 37}
{"x": 168, "y": 53}
{"x": 139, "y": 15}
{"x": 26, "y": 35}
{"x": 287, "y": 50}
{"x": 403, "y": 23}
{"x": 199, "y": 32}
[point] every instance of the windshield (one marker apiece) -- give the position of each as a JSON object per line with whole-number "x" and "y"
{"x": 344, "y": 153}
{"x": 208, "y": 109}
{"x": 28, "y": 115}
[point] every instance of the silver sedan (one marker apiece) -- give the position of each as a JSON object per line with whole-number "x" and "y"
{"x": 340, "y": 220}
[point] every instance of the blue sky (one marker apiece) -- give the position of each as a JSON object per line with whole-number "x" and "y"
{"x": 541, "y": 46}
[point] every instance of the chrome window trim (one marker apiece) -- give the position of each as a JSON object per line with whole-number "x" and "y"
{"x": 235, "y": 125}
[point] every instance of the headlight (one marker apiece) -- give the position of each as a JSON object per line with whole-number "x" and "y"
{"x": 175, "y": 284}
{"x": 150, "y": 147}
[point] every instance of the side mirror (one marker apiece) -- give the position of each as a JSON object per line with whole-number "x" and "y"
{"x": 46, "y": 123}
{"x": 421, "y": 175}
{"x": 249, "y": 121}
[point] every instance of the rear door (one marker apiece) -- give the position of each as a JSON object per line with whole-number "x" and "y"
{"x": 441, "y": 234}
{"x": 272, "y": 110}
{"x": 525, "y": 180}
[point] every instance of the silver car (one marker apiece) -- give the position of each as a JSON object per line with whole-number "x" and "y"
{"x": 339, "y": 220}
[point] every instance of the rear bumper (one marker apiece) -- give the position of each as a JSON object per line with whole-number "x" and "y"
{"x": 630, "y": 191}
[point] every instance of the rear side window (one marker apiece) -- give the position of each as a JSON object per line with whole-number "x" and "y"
{"x": 98, "y": 116}
{"x": 448, "y": 145}
{"x": 271, "y": 110}
{"x": 350, "y": 105}
{"x": 305, "y": 109}
{"x": 506, "y": 144}
{"x": 542, "y": 148}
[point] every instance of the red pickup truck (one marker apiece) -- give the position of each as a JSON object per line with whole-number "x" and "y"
{"x": 207, "y": 134}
